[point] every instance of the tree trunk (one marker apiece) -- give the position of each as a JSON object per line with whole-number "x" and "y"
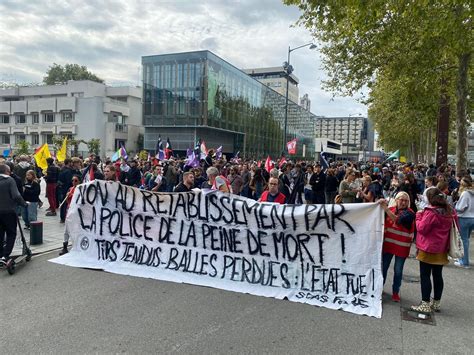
{"x": 414, "y": 152}
{"x": 461, "y": 119}
{"x": 442, "y": 130}
{"x": 428, "y": 147}
{"x": 421, "y": 156}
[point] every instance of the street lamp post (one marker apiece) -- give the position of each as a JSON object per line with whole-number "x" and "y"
{"x": 289, "y": 69}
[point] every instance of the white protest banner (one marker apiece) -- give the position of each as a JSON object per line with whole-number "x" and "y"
{"x": 323, "y": 255}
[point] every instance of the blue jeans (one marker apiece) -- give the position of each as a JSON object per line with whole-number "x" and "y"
{"x": 30, "y": 213}
{"x": 397, "y": 270}
{"x": 466, "y": 225}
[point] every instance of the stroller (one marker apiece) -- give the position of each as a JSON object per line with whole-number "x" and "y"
{"x": 18, "y": 260}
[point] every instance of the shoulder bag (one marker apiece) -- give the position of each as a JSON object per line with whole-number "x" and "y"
{"x": 456, "y": 248}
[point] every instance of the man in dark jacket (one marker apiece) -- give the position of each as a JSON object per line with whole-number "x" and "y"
{"x": 318, "y": 183}
{"x": 133, "y": 177}
{"x": 52, "y": 174}
{"x": 10, "y": 198}
{"x": 64, "y": 183}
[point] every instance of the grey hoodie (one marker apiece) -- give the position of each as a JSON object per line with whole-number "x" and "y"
{"x": 465, "y": 204}
{"x": 9, "y": 195}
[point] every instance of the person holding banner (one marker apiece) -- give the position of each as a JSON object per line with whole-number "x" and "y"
{"x": 110, "y": 173}
{"x": 76, "y": 180}
{"x": 272, "y": 194}
{"x": 187, "y": 184}
{"x": 398, "y": 236}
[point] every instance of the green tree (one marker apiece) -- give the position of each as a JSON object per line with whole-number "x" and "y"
{"x": 58, "y": 142}
{"x": 429, "y": 42}
{"x": 22, "y": 147}
{"x": 75, "y": 146}
{"x": 59, "y": 74}
{"x": 94, "y": 146}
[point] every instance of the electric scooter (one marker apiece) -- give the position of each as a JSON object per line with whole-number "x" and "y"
{"x": 18, "y": 260}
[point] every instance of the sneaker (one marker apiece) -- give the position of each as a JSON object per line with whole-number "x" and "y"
{"x": 435, "y": 305}
{"x": 395, "y": 297}
{"x": 51, "y": 213}
{"x": 26, "y": 228}
{"x": 423, "y": 307}
{"x": 458, "y": 263}
{"x": 62, "y": 221}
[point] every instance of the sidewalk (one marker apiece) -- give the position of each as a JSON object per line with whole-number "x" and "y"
{"x": 53, "y": 231}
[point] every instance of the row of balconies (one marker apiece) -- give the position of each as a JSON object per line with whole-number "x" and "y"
{"x": 54, "y": 104}
{"x": 39, "y": 129}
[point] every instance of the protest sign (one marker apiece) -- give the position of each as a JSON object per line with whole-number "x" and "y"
{"x": 324, "y": 255}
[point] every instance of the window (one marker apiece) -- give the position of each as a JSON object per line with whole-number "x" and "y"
{"x": 4, "y": 119}
{"x": 35, "y": 139}
{"x": 48, "y": 117}
{"x": 67, "y": 116}
{"x": 35, "y": 118}
{"x": 116, "y": 117}
{"x": 48, "y": 138}
{"x": 20, "y": 119}
{"x": 19, "y": 138}
{"x": 4, "y": 139}
{"x": 77, "y": 94}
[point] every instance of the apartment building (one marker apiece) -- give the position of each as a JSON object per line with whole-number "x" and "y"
{"x": 356, "y": 134}
{"x": 82, "y": 110}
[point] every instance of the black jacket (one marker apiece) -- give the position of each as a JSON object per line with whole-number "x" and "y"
{"x": 10, "y": 197}
{"x": 65, "y": 179}
{"x": 133, "y": 177}
{"x": 32, "y": 191}
{"x": 52, "y": 174}
{"x": 318, "y": 182}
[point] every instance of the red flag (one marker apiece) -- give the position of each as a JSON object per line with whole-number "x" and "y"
{"x": 291, "y": 145}
{"x": 281, "y": 162}
{"x": 38, "y": 149}
{"x": 91, "y": 174}
{"x": 268, "y": 164}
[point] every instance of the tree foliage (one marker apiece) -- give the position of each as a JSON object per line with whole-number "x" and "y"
{"x": 401, "y": 51}
{"x": 59, "y": 74}
{"x": 23, "y": 147}
{"x": 94, "y": 146}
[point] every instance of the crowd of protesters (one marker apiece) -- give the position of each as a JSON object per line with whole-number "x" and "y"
{"x": 401, "y": 190}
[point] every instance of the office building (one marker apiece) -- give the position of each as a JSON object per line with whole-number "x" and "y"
{"x": 275, "y": 78}
{"x": 197, "y": 95}
{"x": 356, "y": 134}
{"x": 81, "y": 110}
{"x": 305, "y": 102}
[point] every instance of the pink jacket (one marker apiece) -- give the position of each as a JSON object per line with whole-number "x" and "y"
{"x": 433, "y": 229}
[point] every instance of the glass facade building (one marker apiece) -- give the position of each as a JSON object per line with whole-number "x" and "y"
{"x": 197, "y": 95}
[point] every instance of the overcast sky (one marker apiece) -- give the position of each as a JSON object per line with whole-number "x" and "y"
{"x": 109, "y": 37}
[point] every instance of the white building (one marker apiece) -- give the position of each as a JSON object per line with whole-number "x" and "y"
{"x": 79, "y": 109}
{"x": 354, "y": 133}
{"x": 275, "y": 78}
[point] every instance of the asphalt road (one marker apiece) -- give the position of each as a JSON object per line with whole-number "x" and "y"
{"x": 50, "y": 308}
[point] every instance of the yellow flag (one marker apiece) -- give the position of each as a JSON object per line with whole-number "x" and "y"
{"x": 61, "y": 154}
{"x": 41, "y": 155}
{"x": 403, "y": 159}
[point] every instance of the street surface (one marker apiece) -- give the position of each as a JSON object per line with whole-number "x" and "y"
{"x": 50, "y": 308}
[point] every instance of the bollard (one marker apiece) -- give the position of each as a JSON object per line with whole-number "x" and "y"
{"x": 36, "y": 233}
